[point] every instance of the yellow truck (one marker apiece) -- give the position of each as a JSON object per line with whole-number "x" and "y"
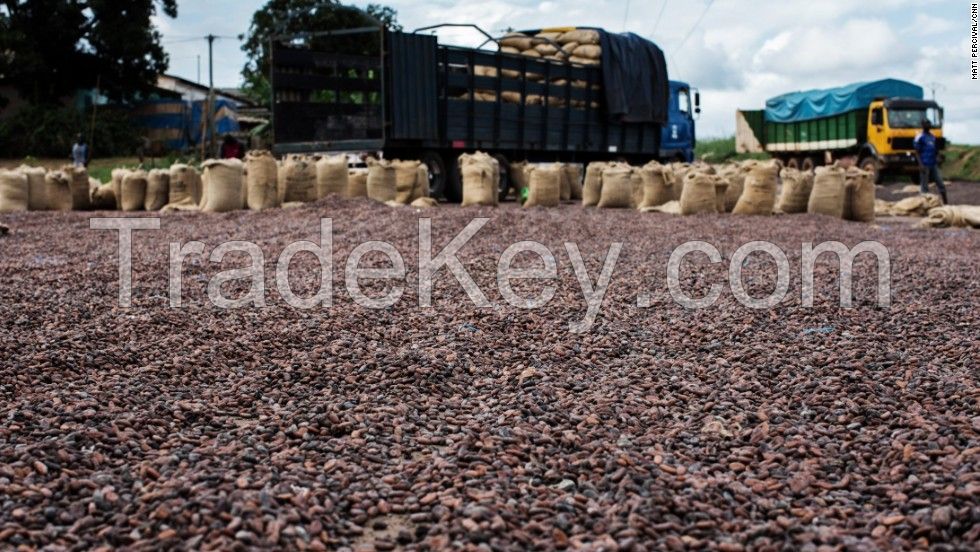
{"x": 872, "y": 122}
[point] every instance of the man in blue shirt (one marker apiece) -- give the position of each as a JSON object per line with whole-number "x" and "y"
{"x": 79, "y": 152}
{"x": 927, "y": 152}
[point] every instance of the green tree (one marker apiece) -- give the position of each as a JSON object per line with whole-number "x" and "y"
{"x": 50, "y": 48}
{"x": 296, "y": 17}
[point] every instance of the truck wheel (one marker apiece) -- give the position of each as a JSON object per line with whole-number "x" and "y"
{"x": 792, "y": 163}
{"x": 871, "y": 165}
{"x": 437, "y": 174}
{"x": 503, "y": 187}
{"x": 807, "y": 164}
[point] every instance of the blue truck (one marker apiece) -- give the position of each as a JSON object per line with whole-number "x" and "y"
{"x": 371, "y": 88}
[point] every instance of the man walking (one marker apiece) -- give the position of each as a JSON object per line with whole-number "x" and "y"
{"x": 927, "y": 153}
{"x": 79, "y": 152}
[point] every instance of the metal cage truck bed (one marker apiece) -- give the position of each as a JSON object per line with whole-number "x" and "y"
{"x": 406, "y": 95}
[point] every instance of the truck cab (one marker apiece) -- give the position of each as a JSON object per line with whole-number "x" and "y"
{"x": 677, "y": 138}
{"x": 892, "y": 126}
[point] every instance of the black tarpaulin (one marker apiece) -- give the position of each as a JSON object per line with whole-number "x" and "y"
{"x": 634, "y": 75}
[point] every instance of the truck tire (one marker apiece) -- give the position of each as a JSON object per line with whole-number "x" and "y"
{"x": 792, "y": 163}
{"x": 503, "y": 187}
{"x": 871, "y": 165}
{"x": 444, "y": 181}
{"x": 808, "y": 164}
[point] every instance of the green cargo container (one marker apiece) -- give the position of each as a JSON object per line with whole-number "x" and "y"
{"x": 838, "y": 132}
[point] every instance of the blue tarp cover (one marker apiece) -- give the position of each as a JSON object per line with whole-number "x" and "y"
{"x": 814, "y": 104}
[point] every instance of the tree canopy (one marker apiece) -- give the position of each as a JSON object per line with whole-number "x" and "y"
{"x": 295, "y": 17}
{"x": 50, "y": 48}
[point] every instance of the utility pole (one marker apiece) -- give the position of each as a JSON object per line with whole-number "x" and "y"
{"x": 199, "y": 69}
{"x": 210, "y": 104}
{"x": 933, "y": 86}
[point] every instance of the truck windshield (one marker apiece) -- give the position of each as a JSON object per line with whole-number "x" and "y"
{"x": 912, "y": 118}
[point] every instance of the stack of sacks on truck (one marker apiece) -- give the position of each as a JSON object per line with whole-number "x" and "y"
{"x": 579, "y": 46}
{"x": 481, "y": 179}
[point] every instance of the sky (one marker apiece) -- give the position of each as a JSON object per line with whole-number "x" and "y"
{"x": 737, "y": 52}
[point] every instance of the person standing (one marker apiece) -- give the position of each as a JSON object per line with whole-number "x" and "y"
{"x": 927, "y": 153}
{"x": 79, "y": 152}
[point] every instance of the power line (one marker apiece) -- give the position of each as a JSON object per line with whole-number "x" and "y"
{"x": 659, "y": 15}
{"x": 696, "y": 23}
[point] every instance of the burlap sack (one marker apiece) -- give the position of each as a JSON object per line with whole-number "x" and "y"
{"x": 223, "y": 185}
{"x": 78, "y": 177}
{"x": 828, "y": 194}
{"x": 116, "y": 180}
{"x": 381, "y": 183}
{"x": 678, "y": 173}
{"x": 424, "y": 203}
{"x": 617, "y": 187}
{"x": 480, "y": 179}
{"x": 357, "y": 183}
{"x": 636, "y": 184}
{"x": 421, "y": 182}
{"x": 133, "y": 191}
{"x": 721, "y": 186}
{"x": 592, "y": 188}
{"x": 582, "y": 36}
{"x": 299, "y": 180}
{"x": 915, "y": 206}
{"x": 859, "y": 197}
{"x": 57, "y": 191}
{"x": 104, "y": 197}
{"x": 36, "y": 200}
{"x": 518, "y": 176}
{"x": 543, "y": 185}
{"x": 699, "y": 195}
{"x": 759, "y": 195}
{"x": 795, "y": 195}
{"x": 565, "y": 187}
{"x": 734, "y": 175}
{"x": 14, "y": 191}
{"x": 262, "y": 180}
{"x": 963, "y": 216}
{"x": 656, "y": 184}
{"x": 591, "y": 51}
{"x": 157, "y": 189}
{"x": 185, "y": 185}
{"x": 406, "y": 181}
{"x": 517, "y": 40}
{"x": 573, "y": 174}
{"x": 331, "y": 176}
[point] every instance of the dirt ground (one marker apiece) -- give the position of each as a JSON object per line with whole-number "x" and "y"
{"x": 461, "y": 426}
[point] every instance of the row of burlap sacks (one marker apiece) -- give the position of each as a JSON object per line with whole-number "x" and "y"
{"x": 930, "y": 208}
{"x": 747, "y": 188}
{"x": 260, "y": 182}
{"x": 37, "y": 189}
{"x": 750, "y": 187}
{"x": 547, "y": 184}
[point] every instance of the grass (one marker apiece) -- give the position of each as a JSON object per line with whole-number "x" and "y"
{"x": 962, "y": 163}
{"x": 720, "y": 150}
